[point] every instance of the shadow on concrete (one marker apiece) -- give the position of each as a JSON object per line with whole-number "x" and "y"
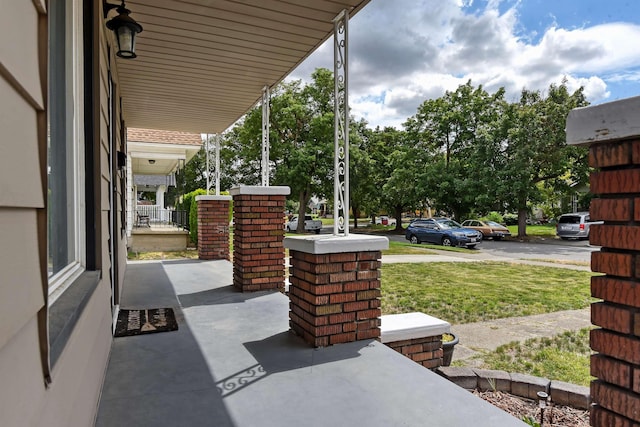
{"x": 223, "y": 295}
{"x": 158, "y": 379}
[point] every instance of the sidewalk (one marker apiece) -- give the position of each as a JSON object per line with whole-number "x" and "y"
{"x": 487, "y": 336}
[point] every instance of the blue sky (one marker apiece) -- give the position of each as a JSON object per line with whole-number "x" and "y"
{"x": 405, "y": 51}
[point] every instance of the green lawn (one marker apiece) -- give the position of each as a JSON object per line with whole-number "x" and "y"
{"x": 545, "y": 230}
{"x": 477, "y": 291}
{"x": 406, "y": 248}
{"x": 564, "y": 357}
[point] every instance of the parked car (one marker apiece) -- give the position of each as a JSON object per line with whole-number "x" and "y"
{"x": 488, "y": 228}
{"x": 574, "y": 225}
{"x": 310, "y": 224}
{"x": 385, "y": 220}
{"x": 442, "y": 231}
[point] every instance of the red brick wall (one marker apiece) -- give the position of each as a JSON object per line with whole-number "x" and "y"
{"x": 616, "y": 392}
{"x": 426, "y": 351}
{"x": 335, "y": 298}
{"x": 258, "y": 235}
{"x": 213, "y": 229}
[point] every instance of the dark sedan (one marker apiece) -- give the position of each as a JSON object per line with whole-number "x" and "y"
{"x": 442, "y": 231}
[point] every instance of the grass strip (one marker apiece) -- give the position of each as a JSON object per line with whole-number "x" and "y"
{"x": 477, "y": 291}
{"x": 563, "y": 357}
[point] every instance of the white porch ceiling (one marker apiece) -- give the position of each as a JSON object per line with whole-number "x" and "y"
{"x": 203, "y": 63}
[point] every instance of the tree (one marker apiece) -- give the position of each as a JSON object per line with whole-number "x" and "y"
{"x": 536, "y": 150}
{"x": 460, "y": 135}
{"x": 363, "y": 189}
{"x": 301, "y": 139}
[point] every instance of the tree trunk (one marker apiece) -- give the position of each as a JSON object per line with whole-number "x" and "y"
{"x": 522, "y": 222}
{"x": 302, "y": 210}
{"x": 398, "y": 216}
{"x": 356, "y": 213}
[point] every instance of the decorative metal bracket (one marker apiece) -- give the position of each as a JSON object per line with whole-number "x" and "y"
{"x": 341, "y": 123}
{"x": 265, "y": 136}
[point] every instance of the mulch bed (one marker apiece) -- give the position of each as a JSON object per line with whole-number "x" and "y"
{"x": 554, "y": 416}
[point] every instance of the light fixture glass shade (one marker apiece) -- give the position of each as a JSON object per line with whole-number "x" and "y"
{"x": 125, "y": 29}
{"x": 126, "y": 42}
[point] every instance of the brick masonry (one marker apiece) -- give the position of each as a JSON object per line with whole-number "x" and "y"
{"x": 426, "y": 351}
{"x": 616, "y": 364}
{"x": 335, "y": 297}
{"x": 213, "y": 228}
{"x": 258, "y": 249}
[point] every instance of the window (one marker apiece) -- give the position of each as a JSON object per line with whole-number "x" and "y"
{"x": 64, "y": 147}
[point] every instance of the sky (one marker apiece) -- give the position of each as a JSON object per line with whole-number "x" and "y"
{"x": 402, "y": 52}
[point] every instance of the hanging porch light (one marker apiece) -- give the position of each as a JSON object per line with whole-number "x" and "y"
{"x": 125, "y": 29}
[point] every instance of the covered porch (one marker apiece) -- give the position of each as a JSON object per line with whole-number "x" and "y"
{"x": 234, "y": 362}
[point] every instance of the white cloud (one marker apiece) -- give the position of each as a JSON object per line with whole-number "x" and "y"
{"x": 405, "y": 51}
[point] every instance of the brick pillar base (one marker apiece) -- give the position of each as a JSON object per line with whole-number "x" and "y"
{"x": 213, "y": 227}
{"x": 335, "y": 288}
{"x": 415, "y": 335}
{"x": 258, "y": 233}
{"x": 613, "y": 133}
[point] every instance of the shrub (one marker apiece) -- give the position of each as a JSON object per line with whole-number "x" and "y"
{"x": 494, "y": 216}
{"x": 189, "y": 205}
{"x": 510, "y": 219}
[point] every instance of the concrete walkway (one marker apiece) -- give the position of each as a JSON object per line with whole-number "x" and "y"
{"x": 487, "y": 336}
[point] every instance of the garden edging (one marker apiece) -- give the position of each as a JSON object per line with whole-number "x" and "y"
{"x": 521, "y": 385}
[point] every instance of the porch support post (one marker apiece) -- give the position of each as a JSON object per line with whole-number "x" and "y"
{"x": 612, "y": 133}
{"x": 213, "y": 227}
{"x": 341, "y": 124}
{"x": 160, "y": 195}
{"x": 131, "y": 196}
{"x": 258, "y": 233}
{"x": 265, "y": 136}
{"x": 217, "y": 164}
{"x": 334, "y": 287}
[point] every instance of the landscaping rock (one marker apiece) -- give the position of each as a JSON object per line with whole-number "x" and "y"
{"x": 528, "y": 386}
{"x": 493, "y": 380}
{"x": 570, "y": 395}
{"x": 462, "y": 377}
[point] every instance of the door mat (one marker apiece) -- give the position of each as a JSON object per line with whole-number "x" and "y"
{"x": 148, "y": 321}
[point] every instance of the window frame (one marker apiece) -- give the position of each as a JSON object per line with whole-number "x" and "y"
{"x": 73, "y": 98}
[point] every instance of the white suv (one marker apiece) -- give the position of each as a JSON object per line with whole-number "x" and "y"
{"x": 574, "y": 225}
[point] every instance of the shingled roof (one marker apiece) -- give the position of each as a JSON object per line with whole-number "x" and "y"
{"x": 163, "y": 136}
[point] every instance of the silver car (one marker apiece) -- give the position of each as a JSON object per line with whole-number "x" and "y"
{"x": 574, "y": 225}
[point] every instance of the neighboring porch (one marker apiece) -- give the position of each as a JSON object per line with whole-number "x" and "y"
{"x": 234, "y": 362}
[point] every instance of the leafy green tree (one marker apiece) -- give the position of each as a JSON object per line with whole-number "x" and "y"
{"x": 363, "y": 190}
{"x": 301, "y": 139}
{"x": 461, "y": 136}
{"x": 536, "y": 150}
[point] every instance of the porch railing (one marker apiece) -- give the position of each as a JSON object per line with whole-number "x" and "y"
{"x": 156, "y": 216}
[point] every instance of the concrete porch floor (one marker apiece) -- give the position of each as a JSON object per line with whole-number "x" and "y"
{"x": 233, "y": 362}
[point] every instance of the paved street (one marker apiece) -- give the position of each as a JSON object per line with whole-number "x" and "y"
{"x": 552, "y": 249}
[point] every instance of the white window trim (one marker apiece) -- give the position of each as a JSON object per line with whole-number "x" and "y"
{"x": 61, "y": 281}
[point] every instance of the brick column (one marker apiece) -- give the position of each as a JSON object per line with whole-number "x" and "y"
{"x": 612, "y": 132}
{"x": 335, "y": 287}
{"x": 258, "y": 233}
{"x": 213, "y": 227}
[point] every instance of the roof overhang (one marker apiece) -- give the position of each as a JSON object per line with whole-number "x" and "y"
{"x": 202, "y": 64}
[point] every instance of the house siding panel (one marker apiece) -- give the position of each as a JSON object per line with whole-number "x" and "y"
{"x": 20, "y": 18}
{"x": 77, "y": 377}
{"x": 21, "y": 292}
{"x": 19, "y": 163}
